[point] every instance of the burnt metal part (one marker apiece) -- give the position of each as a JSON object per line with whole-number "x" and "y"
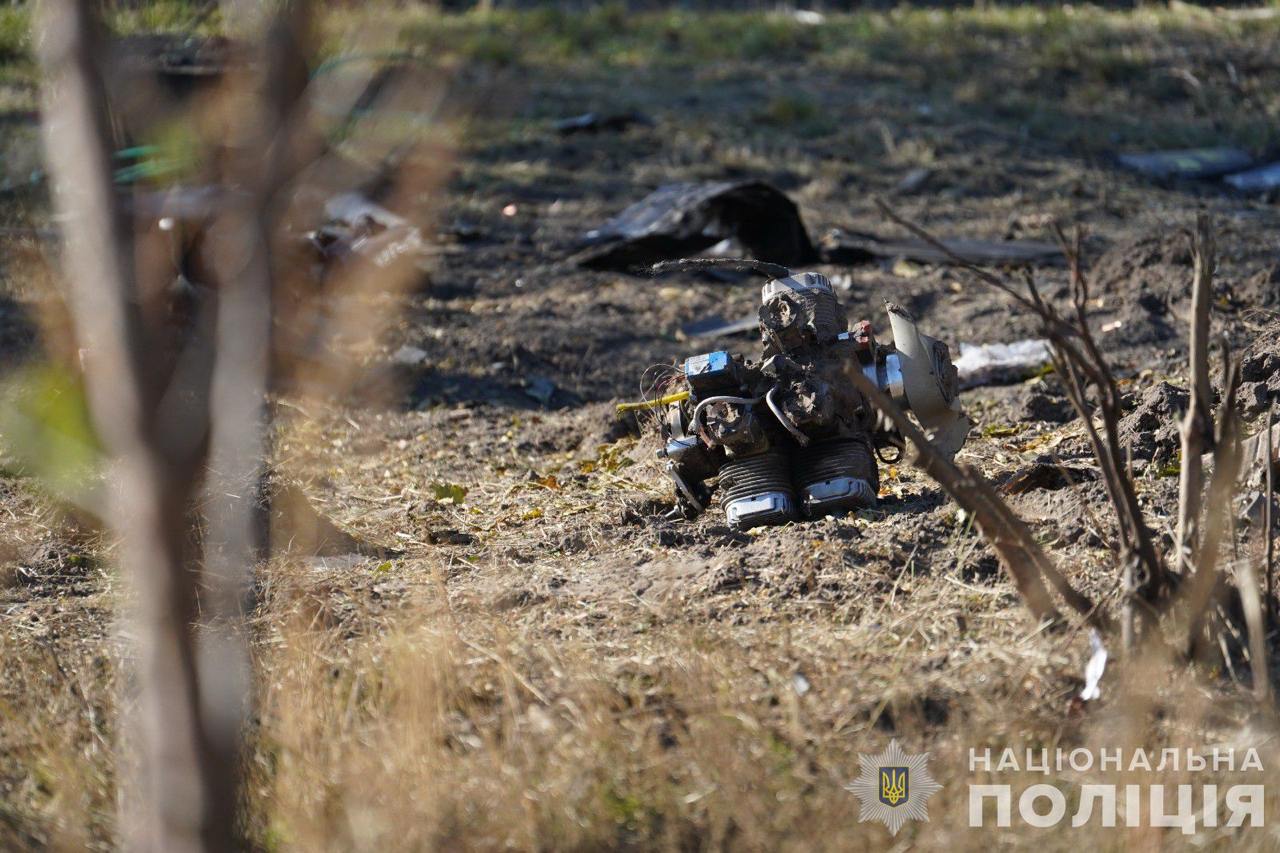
{"x": 734, "y": 427}
{"x": 731, "y": 265}
{"x": 678, "y": 220}
{"x": 841, "y": 247}
{"x": 791, "y": 435}
{"x": 799, "y": 311}
{"x": 597, "y": 122}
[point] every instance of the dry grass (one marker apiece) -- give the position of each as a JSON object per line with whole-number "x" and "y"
{"x": 673, "y": 688}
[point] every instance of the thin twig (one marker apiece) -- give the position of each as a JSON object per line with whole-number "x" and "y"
{"x": 1222, "y": 487}
{"x": 1198, "y": 422}
{"x": 1268, "y": 529}
{"x": 1252, "y": 606}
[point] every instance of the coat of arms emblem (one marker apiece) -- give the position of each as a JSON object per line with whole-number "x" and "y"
{"x": 894, "y": 787}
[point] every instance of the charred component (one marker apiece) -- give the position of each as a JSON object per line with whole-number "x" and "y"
{"x": 790, "y": 436}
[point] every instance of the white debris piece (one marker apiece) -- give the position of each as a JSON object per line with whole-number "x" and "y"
{"x": 990, "y": 364}
{"x": 1094, "y": 668}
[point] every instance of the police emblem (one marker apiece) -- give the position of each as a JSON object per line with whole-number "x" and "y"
{"x": 894, "y": 787}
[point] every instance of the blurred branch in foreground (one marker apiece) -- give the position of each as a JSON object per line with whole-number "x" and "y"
{"x": 179, "y": 800}
{"x": 271, "y": 270}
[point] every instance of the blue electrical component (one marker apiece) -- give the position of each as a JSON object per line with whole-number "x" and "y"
{"x": 711, "y": 373}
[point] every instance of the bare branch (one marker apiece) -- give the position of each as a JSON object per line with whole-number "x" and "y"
{"x": 730, "y": 264}
{"x": 259, "y": 149}
{"x": 1267, "y": 521}
{"x": 1252, "y": 605}
{"x": 1198, "y": 421}
{"x": 1222, "y": 488}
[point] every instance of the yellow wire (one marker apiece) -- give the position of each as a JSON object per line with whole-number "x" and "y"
{"x": 623, "y": 408}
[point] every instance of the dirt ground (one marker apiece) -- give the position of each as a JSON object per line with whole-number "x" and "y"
{"x": 537, "y": 659}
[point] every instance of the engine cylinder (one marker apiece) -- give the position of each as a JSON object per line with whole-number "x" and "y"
{"x": 756, "y": 490}
{"x": 836, "y": 475}
{"x": 800, "y": 311}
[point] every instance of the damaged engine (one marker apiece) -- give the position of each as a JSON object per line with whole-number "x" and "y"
{"x": 790, "y": 436}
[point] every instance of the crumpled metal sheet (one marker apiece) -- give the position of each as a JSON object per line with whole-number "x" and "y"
{"x": 1189, "y": 164}
{"x": 855, "y": 248}
{"x": 679, "y": 220}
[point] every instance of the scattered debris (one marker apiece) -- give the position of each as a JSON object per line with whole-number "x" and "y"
{"x": 678, "y": 220}
{"x": 1190, "y": 164}
{"x": 716, "y": 326}
{"x": 914, "y": 180}
{"x": 1094, "y": 669}
{"x": 841, "y": 247}
{"x": 360, "y": 228}
{"x": 800, "y": 684}
{"x": 808, "y": 17}
{"x": 1001, "y": 364}
{"x": 180, "y": 61}
{"x": 1257, "y": 180}
{"x": 597, "y": 122}
{"x": 540, "y": 388}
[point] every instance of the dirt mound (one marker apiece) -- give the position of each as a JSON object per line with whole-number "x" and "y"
{"x": 1148, "y": 264}
{"x": 1043, "y": 401}
{"x": 1150, "y": 431}
{"x": 1260, "y": 373}
{"x": 1138, "y": 280}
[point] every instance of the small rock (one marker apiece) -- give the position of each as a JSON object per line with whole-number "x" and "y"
{"x": 409, "y": 356}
